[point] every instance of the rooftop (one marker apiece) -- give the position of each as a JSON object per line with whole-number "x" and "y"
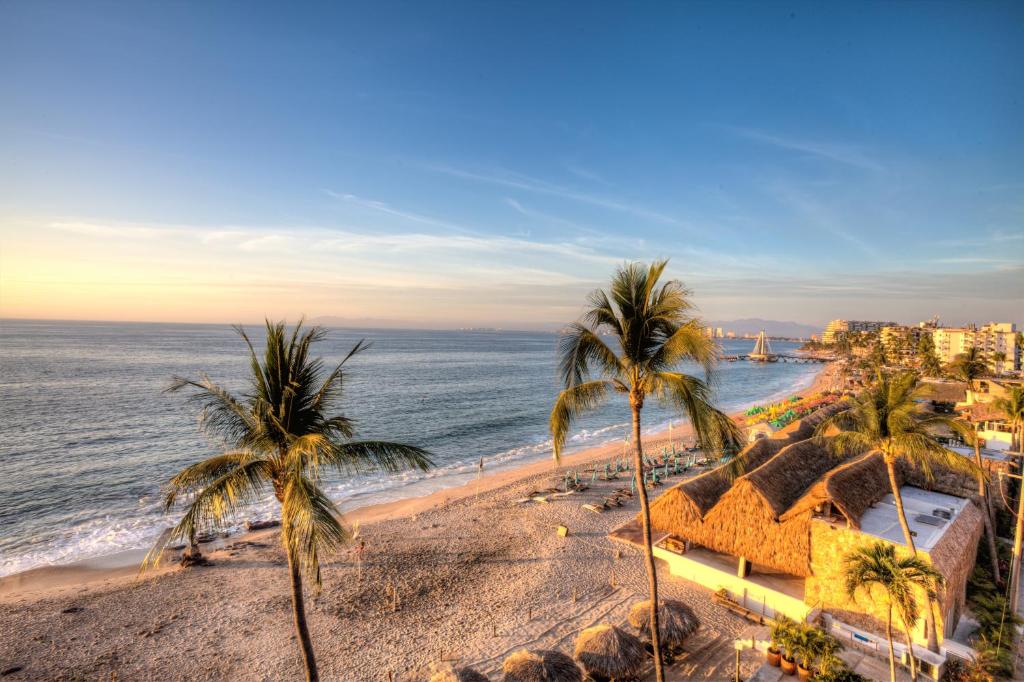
{"x": 926, "y": 514}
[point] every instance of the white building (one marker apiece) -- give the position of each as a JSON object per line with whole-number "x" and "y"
{"x": 993, "y": 339}
{"x": 836, "y": 329}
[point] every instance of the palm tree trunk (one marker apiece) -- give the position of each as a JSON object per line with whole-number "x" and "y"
{"x": 983, "y": 491}
{"x": 892, "y": 652}
{"x": 929, "y": 613}
{"x": 645, "y": 515}
{"x": 299, "y": 611}
{"x": 910, "y": 649}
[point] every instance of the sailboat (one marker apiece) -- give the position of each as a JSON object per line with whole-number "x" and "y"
{"x": 762, "y": 350}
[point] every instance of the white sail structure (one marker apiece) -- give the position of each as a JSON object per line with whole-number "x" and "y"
{"x": 762, "y": 349}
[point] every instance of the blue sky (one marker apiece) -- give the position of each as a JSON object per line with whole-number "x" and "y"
{"x": 451, "y": 164}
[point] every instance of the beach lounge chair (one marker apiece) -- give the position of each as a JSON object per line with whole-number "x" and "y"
{"x": 594, "y": 508}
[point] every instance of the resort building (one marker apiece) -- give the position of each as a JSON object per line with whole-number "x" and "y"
{"x": 900, "y": 342}
{"x": 769, "y": 532}
{"x": 997, "y": 340}
{"x": 837, "y": 329}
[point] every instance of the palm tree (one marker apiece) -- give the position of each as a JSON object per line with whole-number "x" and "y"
{"x": 280, "y": 435}
{"x": 655, "y": 332}
{"x": 998, "y": 358}
{"x": 1012, "y": 407}
{"x": 969, "y": 367}
{"x": 869, "y": 569}
{"x": 888, "y": 416}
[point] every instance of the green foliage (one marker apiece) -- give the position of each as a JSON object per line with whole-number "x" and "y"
{"x": 889, "y": 415}
{"x": 280, "y": 434}
{"x": 839, "y": 673}
{"x": 782, "y": 634}
{"x": 877, "y": 570}
{"x": 996, "y": 620}
{"x": 969, "y": 366}
{"x": 655, "y": 332}
{"x": 928, "y": 359}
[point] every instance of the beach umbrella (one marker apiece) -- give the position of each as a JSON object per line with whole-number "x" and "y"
{"x": 540, "y": 666}
{"x": 447, "y": 672}
{"x": 609, "y": 652}
{"x": 676, "y": 621}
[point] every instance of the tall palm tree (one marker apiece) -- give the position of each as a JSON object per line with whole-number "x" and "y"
{"x": 655, "y": 332}
{"x": 877, "y": 568}
{"x": 969, "y": 367}
{"x": 888, "y": 416}
{"x": 280, "y": 435}
{"x": 1012, "y": 407}
{"x": 998, "y": 358}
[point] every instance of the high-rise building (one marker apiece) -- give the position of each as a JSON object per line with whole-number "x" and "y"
{"x": 837, "y": 329}
{"x": 718, "y": 333}
{"x": 997, "y": 341}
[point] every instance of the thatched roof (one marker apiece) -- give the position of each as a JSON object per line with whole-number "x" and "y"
{"x": 785, "y": 477}
{"x": 607, "y": 651}
{"x": 983, "y": 412}
{"x": 447, "y": 672}
{"x": 851, "y": 487}
{"x": 804, "y": 428}
{"x": 676, "y": 621}
{"x": 954, "y": 554}
{"x": 540, "y": 666}
{"x": 945, "y": 391}
{"x": 702, "y": 492}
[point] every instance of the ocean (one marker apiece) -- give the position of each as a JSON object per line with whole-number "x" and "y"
{"x": 87, "y": 434}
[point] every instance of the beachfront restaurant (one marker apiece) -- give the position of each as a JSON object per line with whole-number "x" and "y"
{"x": 773, "y": 539}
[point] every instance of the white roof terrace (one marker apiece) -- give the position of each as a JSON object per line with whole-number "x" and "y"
{"x": 929, "y": 514}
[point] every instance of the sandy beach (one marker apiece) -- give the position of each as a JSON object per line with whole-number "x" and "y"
{"x": 469, "y": 573}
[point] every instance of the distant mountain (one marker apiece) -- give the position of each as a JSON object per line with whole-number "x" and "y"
{"x": 753, "y": 325}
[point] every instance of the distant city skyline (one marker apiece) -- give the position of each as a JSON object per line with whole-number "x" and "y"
{"x": 487, "y": 165}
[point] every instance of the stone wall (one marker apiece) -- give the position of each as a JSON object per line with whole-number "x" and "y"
{"x": 826, "y": 587}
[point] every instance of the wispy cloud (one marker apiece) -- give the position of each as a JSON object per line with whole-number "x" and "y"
{"x": 503, "y": 178}
{"x": 586, "y": 174}
{"x": 818, "y": 215}
{"x": 382, "y": 207}
{"x": 849, "y": 155}
{"x": 991, "y": 239}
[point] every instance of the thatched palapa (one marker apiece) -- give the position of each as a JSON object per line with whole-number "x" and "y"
{"x": 608, "y": 652}
{"x": 850, "y": 488}
{"x": 687, "y": 502}
{"x": 540, "y": 666}
{"x": 676, "y": 621}
{"x": 447, "y": 672}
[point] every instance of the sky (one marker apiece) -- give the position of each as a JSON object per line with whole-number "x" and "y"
{"x": 451, "y": 164}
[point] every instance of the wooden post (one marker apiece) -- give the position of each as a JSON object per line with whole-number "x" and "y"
{"x": 743, "y": 569}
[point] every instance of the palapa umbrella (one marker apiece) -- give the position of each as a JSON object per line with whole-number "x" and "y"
{"x": 447, "y": 672}
{"x": 608, "y": 652}
{"x": 676, "y": 621}
{"x": 540, "y": 666}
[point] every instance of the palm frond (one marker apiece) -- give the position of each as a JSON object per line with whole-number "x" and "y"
{"x": 693, "y": 397}
{"x": 219, "y": 499}
{"x": 221, "y": 414}
{"x": 573, "y": 402}
{"x": 201, "y": 474}
{"x": 310, "y": 524}
{"x": 687, "y": 342}
{"x": 579, "y": 348}
{"x": 354, "y": 457}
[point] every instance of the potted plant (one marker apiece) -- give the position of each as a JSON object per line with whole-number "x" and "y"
{"x": 809, "y": 645}
{"x": 778, "y": 633}
{"x": 788, "y": 645}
